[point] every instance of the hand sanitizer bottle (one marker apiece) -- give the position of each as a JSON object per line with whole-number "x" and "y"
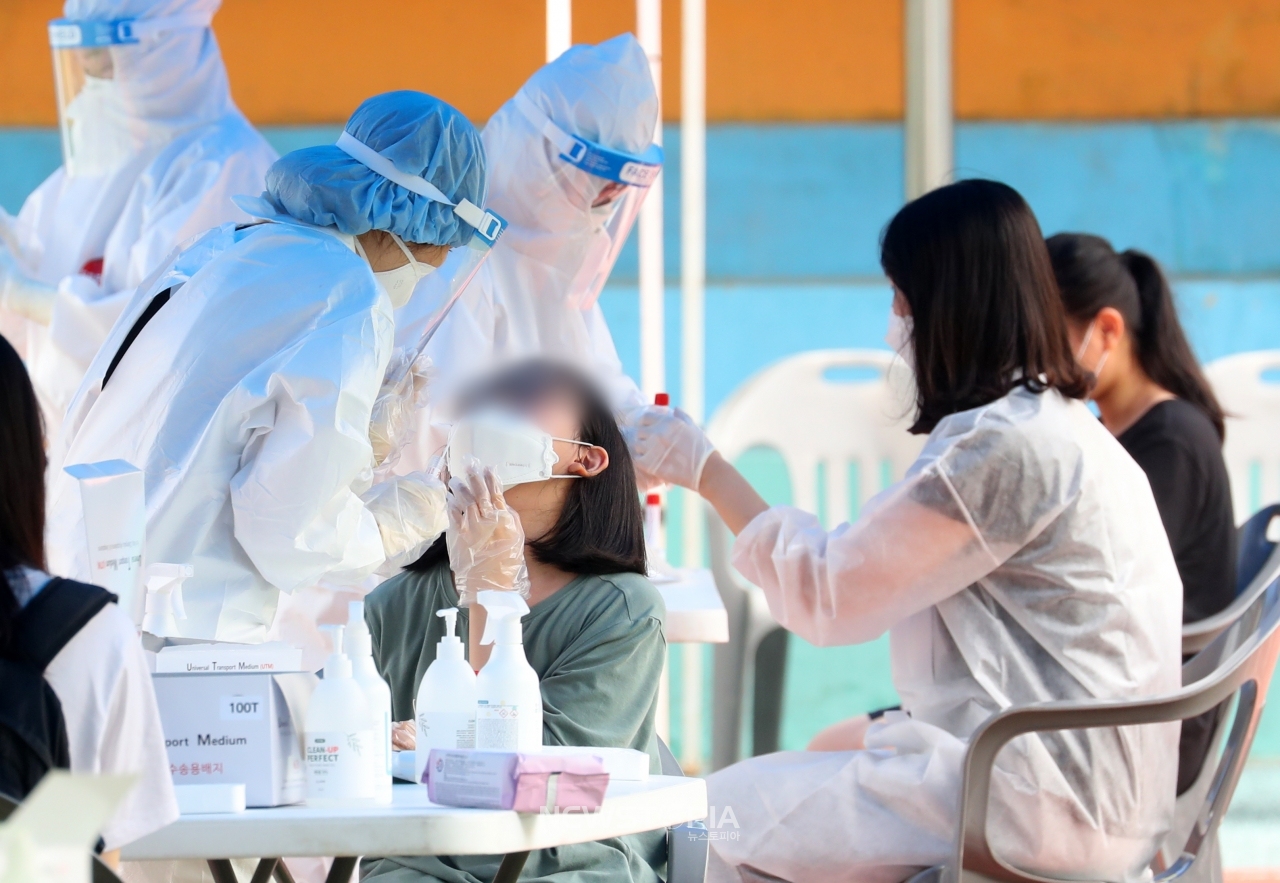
{"x": 358, "y": 644}
{"x": 446, "y": 703}
{"x": 508, "y": 699}
{"x": 339, "y": 735}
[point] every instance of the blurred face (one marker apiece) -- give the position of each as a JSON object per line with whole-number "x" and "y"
{"x": 608, "y": 194}
{"x": 557, "y": 416}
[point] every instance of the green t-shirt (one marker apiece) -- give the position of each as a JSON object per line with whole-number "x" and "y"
{"x": 598, "y": 648}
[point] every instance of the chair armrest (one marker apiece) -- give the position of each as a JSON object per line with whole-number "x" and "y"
{"x": 1198, "y": 635}
{"x": 973, "y": 851}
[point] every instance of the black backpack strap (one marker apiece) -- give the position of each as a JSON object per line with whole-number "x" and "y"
{"x": 147, "y": 315}
{"x": 53, "y": 617}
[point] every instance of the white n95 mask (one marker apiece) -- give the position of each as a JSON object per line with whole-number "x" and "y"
{"x": 400, "y": 282}
{"x": 515, "y": 449}
{"x": 97, "y": 131}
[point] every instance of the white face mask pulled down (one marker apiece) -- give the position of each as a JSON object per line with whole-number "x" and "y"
{"x": 898, "y": 338}
{"x": 516, "y": 449}
{"x": 98, "y": 129}
{"x": 400, "y": 282}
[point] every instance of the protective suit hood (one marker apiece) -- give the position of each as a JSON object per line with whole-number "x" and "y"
{"x": 604, "y": 93}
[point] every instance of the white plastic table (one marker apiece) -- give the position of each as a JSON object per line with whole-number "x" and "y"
{"x": 695, "y": 612}
{"x": 412, "y": 825}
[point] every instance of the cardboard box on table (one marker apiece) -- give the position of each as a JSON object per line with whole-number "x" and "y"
{"x": 237, "y": 728}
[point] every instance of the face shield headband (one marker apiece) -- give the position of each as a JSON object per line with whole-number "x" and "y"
{"x": 594, "y": 159}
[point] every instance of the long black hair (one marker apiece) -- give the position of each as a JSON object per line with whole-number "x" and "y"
{"x": 22, "y": 463}
{"x": 971, "y": 261}
{"x": 601, "y": 526}
{"x": 1092, "y": 275}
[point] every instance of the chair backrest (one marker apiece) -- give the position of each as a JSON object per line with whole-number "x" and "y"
{"x": 1243, "y": 385}
{"x": 1239, "y": 662}
{"x": 1255, "y": 546}
{"x": 838, "y": 418}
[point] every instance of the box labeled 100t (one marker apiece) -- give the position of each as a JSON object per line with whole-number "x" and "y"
{"x": 237, "y": 728}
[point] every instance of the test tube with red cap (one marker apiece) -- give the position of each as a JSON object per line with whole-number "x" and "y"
{"x": 653, "y": 529}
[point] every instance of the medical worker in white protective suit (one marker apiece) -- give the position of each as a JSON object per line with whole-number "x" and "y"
{"x": 1021, "y": 560}
{"x": 247, "y": 377}
{"x": 153, "y": 150}
{"x": 571, "y": 158}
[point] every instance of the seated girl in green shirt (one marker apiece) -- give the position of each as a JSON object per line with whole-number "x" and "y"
{"x": 593, "y": 633}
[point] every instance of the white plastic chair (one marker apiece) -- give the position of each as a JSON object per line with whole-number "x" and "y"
{"x": 838, "y": 418}
{"x": 1238, "y": 664}
{"x": 1252, "y": 448}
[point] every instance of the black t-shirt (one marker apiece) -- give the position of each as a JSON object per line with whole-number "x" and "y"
{"x": 1179, "y": 450}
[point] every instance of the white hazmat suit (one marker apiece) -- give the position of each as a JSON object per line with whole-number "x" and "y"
{"x": 161, "y": 149}
{"x": 536, "y": 295}
{"x": 1021, "y": 560}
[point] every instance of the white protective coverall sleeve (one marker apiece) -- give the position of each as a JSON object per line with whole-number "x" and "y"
{"x": 296, "y": 497}
{"x": 968, "y": 504}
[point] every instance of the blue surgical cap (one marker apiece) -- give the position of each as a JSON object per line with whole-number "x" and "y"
{"x": 421, "y": 136}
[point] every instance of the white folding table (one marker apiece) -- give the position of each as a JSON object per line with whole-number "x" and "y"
{"x": 412, "y": 825}
{"x": 695, "y": 612}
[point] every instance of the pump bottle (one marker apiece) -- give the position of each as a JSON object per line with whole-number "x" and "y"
{"x": 446, "y": 703}
{"x": 339, "y": 735}
{"x": 358, "y": 644}
{"x": 508, "y": 699}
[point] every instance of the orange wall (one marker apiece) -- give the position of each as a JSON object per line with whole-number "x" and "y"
{"x": 299, "y": 61}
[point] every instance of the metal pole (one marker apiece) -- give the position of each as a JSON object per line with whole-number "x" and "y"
{"x": 653, "y": 377}
{"x": 559, "y": 27}
{"x": 929, "y": 115}
{"x": 693, "y": 276}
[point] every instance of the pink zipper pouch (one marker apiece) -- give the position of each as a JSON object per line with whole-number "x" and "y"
{"x": 545, "y": 783}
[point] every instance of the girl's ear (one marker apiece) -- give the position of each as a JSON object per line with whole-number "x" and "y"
{"x": 590, "y": 463}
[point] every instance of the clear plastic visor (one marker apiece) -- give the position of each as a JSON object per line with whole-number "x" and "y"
{"x": 91, "y": 115}
{"x": 626, "y": 208}
{"x": 435, "y": 294}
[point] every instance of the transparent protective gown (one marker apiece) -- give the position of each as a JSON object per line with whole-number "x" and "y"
{"x": 536, "y": 295}
{"x": 1021, "y": 560}
{"x": 161, "y": 148}
{"x": 246, "y": 400}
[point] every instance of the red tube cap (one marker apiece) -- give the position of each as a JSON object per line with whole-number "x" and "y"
{"x": 662, "y": 399}
{"x": 653, "y": 500}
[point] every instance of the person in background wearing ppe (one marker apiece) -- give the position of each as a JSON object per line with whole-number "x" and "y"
{"x": 1020, "y": 560}
{"x": 1152, "y": 397}
{"x": 242, "y": 378}
{"x": 153, "y": 149}
{"x": 100, "y": 676}
{"x": 571, "y": 158}
{"x": 569, "y": 536}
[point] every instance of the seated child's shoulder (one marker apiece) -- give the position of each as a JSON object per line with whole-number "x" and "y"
{"x": 633, "y": 594}
{"x": 405, "y": 586}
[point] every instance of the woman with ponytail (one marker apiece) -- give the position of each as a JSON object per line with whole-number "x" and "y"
{"x": 1153, "y": 398}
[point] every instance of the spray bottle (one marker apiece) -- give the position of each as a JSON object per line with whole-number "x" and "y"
{"x": 508, "y": 700}
{"x": 164, "y": 599}
{"x": 446, "y": 703}
{"x": 339, "y": 735}
{"x": 358, "y": 644}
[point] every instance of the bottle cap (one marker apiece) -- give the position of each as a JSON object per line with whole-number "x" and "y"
{"x": 357, "y": 641}
{"x": 502, "y": 624}
{"x": 450, "y": 646}
{"x": 662, "y": 399}
{"x": 653, "y": 500}
{"x": 337, "y": 665}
